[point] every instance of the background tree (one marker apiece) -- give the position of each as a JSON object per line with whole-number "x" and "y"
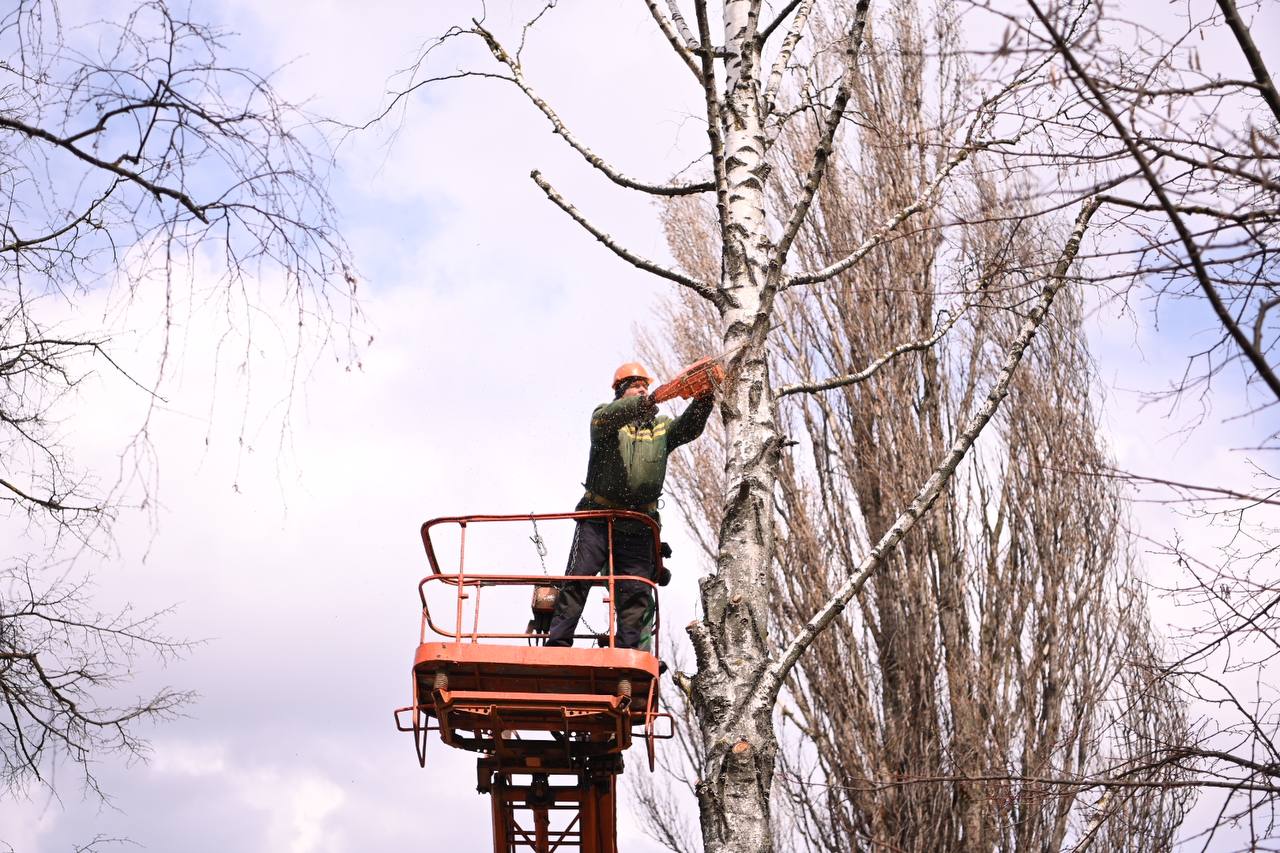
{"x": 1182, "y": 131}
{"x": 134, "y": 161}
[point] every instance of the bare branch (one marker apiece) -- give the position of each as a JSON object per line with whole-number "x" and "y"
{"x": 1258, "y": 322}
{"x": 794, "y": 33}
{"x": 1250, "y": 51}
{"x": 923, "y": 200}
{"x": 56, "y": 655}
{"x": 773, "y": 678}
{"x": 49, "y": 503}
{"x": 678, "y": 19}
{"x": 563, "y": 132}
{"x": 18, "y": 244}
{"x": 715, "y": 110}
{"x": 1251, "y": 353}
{"x": 680, "y": 47}
{"x": 1192, "y": 487}
{"x": 1056, "y": 782}
{"x": 182, "y": 198}
{"x": 822, "y": 152}
{"x": 778, "y": 19}
{"x": 873, "y": 368}
{"x": 136, "y": 161}
{"x": 700, "y": 287}
{"x": 1253, "y": 215}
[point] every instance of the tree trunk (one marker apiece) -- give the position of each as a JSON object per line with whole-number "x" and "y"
{"x": 731, "y": 642}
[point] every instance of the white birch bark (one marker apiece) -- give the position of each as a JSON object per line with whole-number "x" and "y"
{"x": 731, "y": 641}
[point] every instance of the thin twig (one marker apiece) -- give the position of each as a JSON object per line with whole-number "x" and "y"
{"x": 873, "y": 368}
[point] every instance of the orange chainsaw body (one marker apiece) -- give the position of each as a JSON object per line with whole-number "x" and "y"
{"x": 697, "y": 379}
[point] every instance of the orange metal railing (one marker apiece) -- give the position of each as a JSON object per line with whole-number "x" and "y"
{"x": 468, "y": 584}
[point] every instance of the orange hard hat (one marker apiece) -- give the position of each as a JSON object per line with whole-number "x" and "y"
{"x": 631, "y": 370}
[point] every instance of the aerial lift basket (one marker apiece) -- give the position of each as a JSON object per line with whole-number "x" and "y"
{"x": 550, "y": 725}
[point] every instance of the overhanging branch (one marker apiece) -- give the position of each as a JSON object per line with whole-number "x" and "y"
{"x": 700, "y": 287}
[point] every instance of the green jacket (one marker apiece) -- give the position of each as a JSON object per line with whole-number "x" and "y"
{"x": 628, "y": 461}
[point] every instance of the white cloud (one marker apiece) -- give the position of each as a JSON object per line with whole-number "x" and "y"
{"x": 24, "y": 821}
{"x": 299, "y": 807}
{"x": 189, "y": 759}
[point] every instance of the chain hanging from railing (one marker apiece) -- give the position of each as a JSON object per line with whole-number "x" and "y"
{"x": 544, "y": 597}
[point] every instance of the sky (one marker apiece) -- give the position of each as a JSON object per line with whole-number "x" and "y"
{"x": 496, "y": 324}
{"x": 496, "y": 328}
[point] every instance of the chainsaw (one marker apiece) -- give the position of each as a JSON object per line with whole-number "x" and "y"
{"x": 696, "y": 380}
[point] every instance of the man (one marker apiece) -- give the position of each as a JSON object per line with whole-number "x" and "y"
{"x": 630, "y": 443}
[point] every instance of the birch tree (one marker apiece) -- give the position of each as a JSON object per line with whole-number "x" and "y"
{"x": 1115, "y": 124}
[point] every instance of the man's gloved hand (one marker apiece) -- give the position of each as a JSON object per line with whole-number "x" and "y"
{"x": 664, "y": 575}
{"x": 648, "y": 408}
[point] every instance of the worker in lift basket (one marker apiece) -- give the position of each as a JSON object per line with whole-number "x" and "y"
{"x": 630, "y": 442}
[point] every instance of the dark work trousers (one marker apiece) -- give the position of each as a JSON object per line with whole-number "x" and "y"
{"x": 632, "y": 555}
